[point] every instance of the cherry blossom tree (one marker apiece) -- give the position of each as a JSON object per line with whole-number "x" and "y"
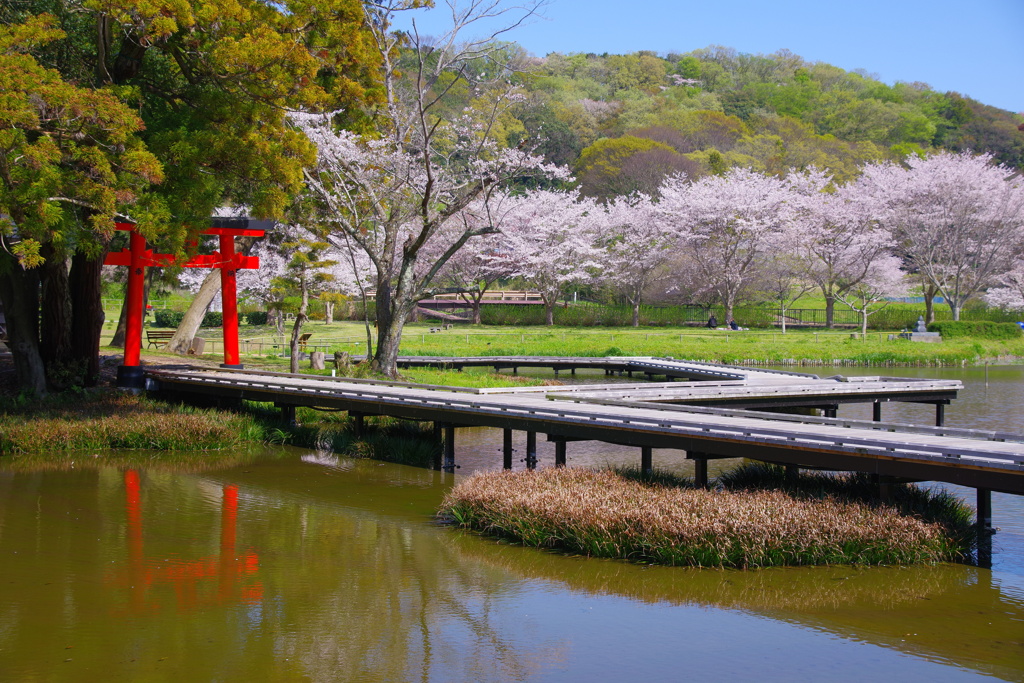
{"x": 838, "y": 238}
{"x": 550, "y": 238}
{"x": 1010, "y": 295}
{"x": 958, "y": 218}
{"x": 637, "y": 247}
{"x": 475, "y": 268}
{"x": 389, "y": 196}
{"x": 729, "y": 225}
{"x": 882, "y": 279}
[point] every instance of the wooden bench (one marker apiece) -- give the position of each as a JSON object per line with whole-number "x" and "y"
{"x": 158, "y": 337}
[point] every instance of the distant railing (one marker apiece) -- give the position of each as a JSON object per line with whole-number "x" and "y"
{"x": 494, "y": 296}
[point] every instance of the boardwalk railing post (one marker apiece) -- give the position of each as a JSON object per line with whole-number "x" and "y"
{"x": 940, "y": 414}
{"x": 876, "y": 411}
{"x": 506, "y": 448}
{"x": 531, "y": 450}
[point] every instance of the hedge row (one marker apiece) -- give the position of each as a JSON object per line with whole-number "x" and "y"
{"x": 977, "y": 329}
{"x": 165, "y": 318}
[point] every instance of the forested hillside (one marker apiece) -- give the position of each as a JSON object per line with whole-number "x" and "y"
{"x": 623, "y": 122}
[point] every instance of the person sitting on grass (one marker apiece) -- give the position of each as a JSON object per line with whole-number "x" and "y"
{"x": 712, "y": 322}
{"x": 733, "y": 325}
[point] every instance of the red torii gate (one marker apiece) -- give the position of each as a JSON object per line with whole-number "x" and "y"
{"x": 137, "y": 257}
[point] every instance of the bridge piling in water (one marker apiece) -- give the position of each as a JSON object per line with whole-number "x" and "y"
{"x": 531, "y": 450}
{"x": 506, "y": 448}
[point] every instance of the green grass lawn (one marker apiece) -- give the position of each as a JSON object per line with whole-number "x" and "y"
{"x": 796, "y": 347}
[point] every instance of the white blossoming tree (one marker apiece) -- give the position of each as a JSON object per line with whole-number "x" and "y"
{"x": 637, "y": 246}
{"x": 729, "y": 226}
{"x": 958, "y": 218}
{"x": 551, "y": 239}
{"x": 390, "y": 196}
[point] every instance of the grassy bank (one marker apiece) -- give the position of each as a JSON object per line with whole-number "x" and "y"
{"x": 748, "y": 347}
{"x": 103, "y": 419}
{"x": 603, "y": 514}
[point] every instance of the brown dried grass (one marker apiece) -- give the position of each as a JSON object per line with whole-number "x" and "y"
{"x": 602, "y": 514}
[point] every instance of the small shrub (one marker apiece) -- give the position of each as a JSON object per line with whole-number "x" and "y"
{"x": 167, "y": 318}
{"x": 256, "y": 318}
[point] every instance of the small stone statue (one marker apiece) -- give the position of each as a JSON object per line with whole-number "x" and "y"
{"x": 920, "y": 327}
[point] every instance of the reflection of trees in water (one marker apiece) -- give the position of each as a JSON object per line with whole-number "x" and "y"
{"x": 783, "y": 588}
{"x": 390, "y": 602}
{"x": 946, "y": 612}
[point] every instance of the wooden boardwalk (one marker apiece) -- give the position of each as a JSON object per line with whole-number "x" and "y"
{"x": 979, "y": 459}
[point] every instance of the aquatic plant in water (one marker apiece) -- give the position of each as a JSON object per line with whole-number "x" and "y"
{"x": 603, "y": 514}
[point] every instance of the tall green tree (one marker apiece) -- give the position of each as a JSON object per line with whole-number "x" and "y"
{"x": 181, "y": 109}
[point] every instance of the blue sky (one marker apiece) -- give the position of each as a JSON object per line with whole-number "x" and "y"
{"x": 975, "y": 47}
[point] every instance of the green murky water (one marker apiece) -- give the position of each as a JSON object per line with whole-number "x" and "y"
{"x": 304, "y": 567}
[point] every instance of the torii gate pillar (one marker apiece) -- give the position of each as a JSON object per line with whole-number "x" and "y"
{"x": 137, "y": 257}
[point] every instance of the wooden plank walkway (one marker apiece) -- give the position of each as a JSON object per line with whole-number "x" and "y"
{"x": 973, "y": 460}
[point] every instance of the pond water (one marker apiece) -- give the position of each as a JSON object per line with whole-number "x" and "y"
{"x": 297, "y": 566}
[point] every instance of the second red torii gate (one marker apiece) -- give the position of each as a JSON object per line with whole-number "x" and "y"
{"x": 137, "y": 257}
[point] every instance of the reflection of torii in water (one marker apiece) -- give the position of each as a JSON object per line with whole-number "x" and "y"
{"x": 186, "y": 576}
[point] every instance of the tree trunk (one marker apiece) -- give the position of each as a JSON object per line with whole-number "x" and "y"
{"x": 122, "y": 323}
{"x": 830, "y": 311}
{"x": 297, "y": 327}
{"x": 636, "y": 314}
{"x": 328, "y": 312}
{"x": 19, "y": 293}
{"x": 954, "y": 308}
{"x": 929, "y": 290}
{"x": 475, "y": 306}
{"x": 189, "y": 325}
{"x": 181, "y": 342}
{"x": 87, "y": 314}
{"x": 389, "y": 339}
{"x": 55, "y": 319}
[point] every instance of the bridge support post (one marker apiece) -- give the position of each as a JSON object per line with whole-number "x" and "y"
{"x": 438, "y": 446}
{"x": 883, "y": 487}
{"x": 830, "y": 411}
{"x": 506, "y": 448}
{"x": 287, "y": 414}
{"x": 940, "y": 414}
{"x": 531, "y": 450}
{"x": 358, "y": 425}
{"x": 700, "y": 470}
{"x": 792, "y": 475}
{"x": 449, "y": 448}
{"x": 876, "y": 411}
{"x": 646, "y": 459}
{"x": 984, "y": 528}
{"x": 560, "y": 453}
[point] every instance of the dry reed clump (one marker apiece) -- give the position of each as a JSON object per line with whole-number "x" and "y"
{"x": 601, "y": 514}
